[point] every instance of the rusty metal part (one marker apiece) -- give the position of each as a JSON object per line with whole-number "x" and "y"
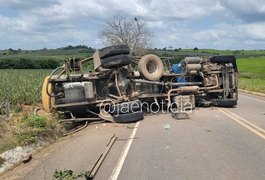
{"x": 191, "y": 89}
{"x": 96, "y": 60}
{"x": 193, "y": 67}
{"x": 47, "y": 85}
{"x": 192, "y": 60}
{"x": 216, "y": 81}
{"x": 148, "y": 82}
{"x": 95, "y": 168}
{"x": 117, "y": 84}
{"x": 78, "y": 129}
{"x": 85, "y": 103}
{"x": 167, "y": 83}
{"x": 81, "y": 119}
{"x": 83, "y": 61}
{"x": 180, "y": 115}
{"x": 185, "y": 83}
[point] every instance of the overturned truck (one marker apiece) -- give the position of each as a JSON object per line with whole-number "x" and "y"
{"x": 122, "y": 87}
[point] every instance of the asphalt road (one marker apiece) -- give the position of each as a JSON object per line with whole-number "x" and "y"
{"x": 215, "y": 143}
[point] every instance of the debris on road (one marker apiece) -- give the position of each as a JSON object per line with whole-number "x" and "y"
{"x": 180, "y": 116}
{"x": 17, "y": 154}
{"x": 26, "y": 157}
{"x": 167, "y": 127}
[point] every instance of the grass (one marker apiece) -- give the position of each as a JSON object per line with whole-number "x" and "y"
{"x": 24, "y": 129}
{"x": 252, "y": 67}
{"x": 23, "y": 89}
{"x": 30, "y": 128}
{"x": 69, "y": 175}
{"x": 256, "y": 85}
{"x": 22, "y": 86}
{"x": 252, "y": 74}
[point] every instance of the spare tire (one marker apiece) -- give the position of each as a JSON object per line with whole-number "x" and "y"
{"x": 129, "y": 117}
{"x": 151, "y": 67}
{"x": 113, "y": 50}
{"x": 113, "y": 61}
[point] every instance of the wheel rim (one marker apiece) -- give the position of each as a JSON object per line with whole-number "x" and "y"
{"x": 152, "y": 67}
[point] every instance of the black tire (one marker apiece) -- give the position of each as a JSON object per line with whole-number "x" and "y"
{"x": 114, "y": 61}
{"x": 225, "y": 59}
{"x": 129, "y": 117}
{"x": 224, "y": 102}
{"x": 113, "y": 50}
{"x": 151, "y": 67}
{"x": 126, "y": 107}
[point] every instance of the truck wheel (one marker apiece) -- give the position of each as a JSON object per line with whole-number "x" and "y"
{"x": 113, "y": 50}
{"x": 113, "y": 61}
{"x": 224, "y": 102}
{"x": 126, "y": 107}
{"x": 151, "y": 67}
{"x": 129, "y": 117}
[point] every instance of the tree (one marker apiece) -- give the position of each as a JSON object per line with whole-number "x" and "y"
{"x": 131, "y": 32}
{"x": 195, "y": 49}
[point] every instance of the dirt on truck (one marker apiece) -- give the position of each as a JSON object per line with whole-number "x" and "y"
{"x": 121, "y": 87}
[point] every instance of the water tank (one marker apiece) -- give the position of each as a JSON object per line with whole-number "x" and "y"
{"x": 77, "y": 92}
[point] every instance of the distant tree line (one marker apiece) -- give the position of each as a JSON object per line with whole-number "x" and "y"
{"x": 81, "y": 48}
{"x": 23, "y": 63}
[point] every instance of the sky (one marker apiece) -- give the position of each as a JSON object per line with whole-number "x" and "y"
{"x": 215, "y": 24}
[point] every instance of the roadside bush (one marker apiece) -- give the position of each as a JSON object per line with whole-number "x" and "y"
{"x": 23, "y": 63}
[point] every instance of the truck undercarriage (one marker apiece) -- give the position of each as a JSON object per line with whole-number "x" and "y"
{"x": 122, "y": 87}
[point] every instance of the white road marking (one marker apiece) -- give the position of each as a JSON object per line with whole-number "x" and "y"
{"x": 252, "y": 98}
{"x": 117, "y": 169}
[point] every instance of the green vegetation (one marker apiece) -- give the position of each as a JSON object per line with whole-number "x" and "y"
{"x": 252, "y": 74}
{"x": 30, "y": 128}
{"x": 23, "y": 89}
{"x": 22, "y": 86}
{"x": 252, "y": 67}
{"x": 207, "y": 52}
{"x": 256, "y": 85}
{"x": 69, "y": 175}
{"x": 25, "y": 129}
{"x": 28, "y": 64}
{"x": 41, "y": 59}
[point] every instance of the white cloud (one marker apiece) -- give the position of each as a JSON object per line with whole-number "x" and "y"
{"x": 39, "y": 23}
{"x": 246, "y": 10}
{"x": 222, "y": 36}
{"x": 11, "y": 24}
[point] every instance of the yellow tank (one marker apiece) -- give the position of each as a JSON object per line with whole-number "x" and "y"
{"x": 47, "y": 101}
